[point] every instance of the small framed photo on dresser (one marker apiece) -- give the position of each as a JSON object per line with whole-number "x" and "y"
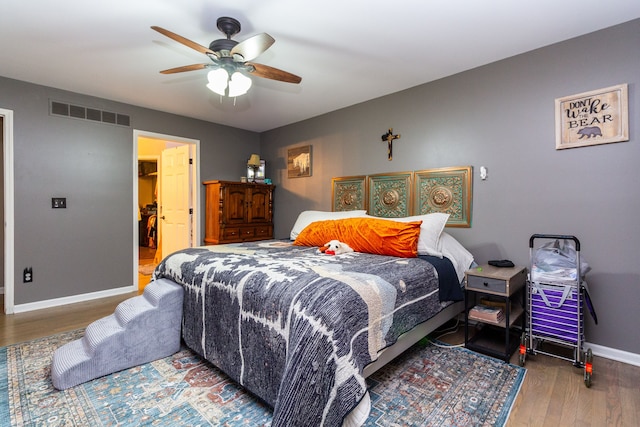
{"x": 259, "y": 172}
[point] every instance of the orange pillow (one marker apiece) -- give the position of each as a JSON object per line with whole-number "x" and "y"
{"x": 369, "y": 235}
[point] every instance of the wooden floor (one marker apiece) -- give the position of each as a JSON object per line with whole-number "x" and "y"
{"x": 553, "y": 393}
{"x": 146, "y": 256}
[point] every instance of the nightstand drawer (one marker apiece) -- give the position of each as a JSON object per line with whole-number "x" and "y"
{"x": 495, "y": 280}
{"x": 486, "y": 284}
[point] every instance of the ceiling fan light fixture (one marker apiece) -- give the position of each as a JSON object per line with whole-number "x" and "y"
{"x": 239, "y": 84}
{"x": 228, "y": 57}
{"x": 218, "y": 79}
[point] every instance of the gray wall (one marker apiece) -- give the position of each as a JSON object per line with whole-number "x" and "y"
{"x": 501, "y": 116}
{"x": 88, "y": 247}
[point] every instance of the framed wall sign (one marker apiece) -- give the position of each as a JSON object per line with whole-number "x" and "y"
{"x": 590, "y": 118}
{"x": 299, "y": 162}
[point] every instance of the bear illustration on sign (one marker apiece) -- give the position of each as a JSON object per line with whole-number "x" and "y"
{"x": 589, "y": 132}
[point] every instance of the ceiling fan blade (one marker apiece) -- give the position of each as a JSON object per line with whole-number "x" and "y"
{"x": 253, "y": 46}
{"x": 267, "y": 72}
{"x": 184, "y": 41}
{"x": 184, "y": 68}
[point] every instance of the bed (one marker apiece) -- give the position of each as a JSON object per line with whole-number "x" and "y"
{"x": 301, "y": 329}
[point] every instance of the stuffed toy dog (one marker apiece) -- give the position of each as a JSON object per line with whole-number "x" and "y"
{"x": 336, "y": 247}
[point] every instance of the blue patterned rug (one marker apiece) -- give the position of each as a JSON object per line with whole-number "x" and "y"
{"x": 426, "y": 386}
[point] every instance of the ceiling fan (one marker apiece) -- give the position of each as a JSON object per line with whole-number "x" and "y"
{"x": 231, "y": 61}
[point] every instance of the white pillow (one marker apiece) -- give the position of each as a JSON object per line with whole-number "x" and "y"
{"x": 430, "y": 230}
{"x": 307, "y": 217}
{"x": 460, "y": 257}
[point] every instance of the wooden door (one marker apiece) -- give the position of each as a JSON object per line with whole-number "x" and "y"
{"x": 175, "y": 194}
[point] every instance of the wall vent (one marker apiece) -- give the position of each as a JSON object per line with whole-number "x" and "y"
{"x": 58, "y": 108}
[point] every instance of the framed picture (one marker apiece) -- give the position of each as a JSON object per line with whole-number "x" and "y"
{"x": 299, "y": 162}
{"x": 590, "y": 118}
{"x": 390, "y": 195}
{"x": 259, "y": 172}
{"x": 349, "y": 193}
{"x": 445, "y": 190}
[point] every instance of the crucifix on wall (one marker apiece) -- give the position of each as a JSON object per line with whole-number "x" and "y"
{"x": 389, "y": 137}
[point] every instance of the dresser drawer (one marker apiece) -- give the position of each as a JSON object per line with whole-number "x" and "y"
{"x": 230, "y": 233}
{"x": 247, "y": 232}
{"x": 486, "y": 284}
{"x": 263, "y": 232}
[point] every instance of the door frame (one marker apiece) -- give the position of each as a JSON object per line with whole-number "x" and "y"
{"x": 9, "y": 203}
{"x": 195, "y": 193}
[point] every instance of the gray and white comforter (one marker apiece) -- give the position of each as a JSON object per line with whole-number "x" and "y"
{"x": 294, "y": 327}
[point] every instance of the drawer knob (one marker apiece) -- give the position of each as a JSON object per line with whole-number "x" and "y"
{"x": 485, "y": 283}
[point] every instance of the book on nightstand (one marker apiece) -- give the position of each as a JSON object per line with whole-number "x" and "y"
{"x": 487, "y": 313}
{"x": 495, "y": 302}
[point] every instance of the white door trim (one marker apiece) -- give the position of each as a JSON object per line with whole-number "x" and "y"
{"x": 9, "y": 203}
{"x": 195, "y": 195}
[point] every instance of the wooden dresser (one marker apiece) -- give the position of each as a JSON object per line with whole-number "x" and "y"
{"x": 238, "y": 212}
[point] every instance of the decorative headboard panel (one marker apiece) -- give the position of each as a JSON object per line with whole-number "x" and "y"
{"x": 390, "y": 195}
{"x": 445, "y": 190}
{"x": 349, "y": 193}
{"x": 400, "y": 194}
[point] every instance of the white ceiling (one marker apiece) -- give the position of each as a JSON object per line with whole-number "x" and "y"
{"x": 346, "y": 51}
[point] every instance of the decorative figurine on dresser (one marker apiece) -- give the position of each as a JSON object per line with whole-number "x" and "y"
{"x": 238, "y": 212}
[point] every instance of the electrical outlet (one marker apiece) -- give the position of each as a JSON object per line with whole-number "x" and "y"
{"x": 27, "y": 275}
{"x": 59, "y": 202}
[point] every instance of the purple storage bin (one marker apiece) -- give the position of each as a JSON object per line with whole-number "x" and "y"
{"x": 568, "y": 336}
{"x": 567, "y": 313}
{"x": 558, "y": 316}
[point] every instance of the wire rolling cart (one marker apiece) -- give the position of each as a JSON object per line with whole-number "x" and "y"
{"x": 555, "y": 310}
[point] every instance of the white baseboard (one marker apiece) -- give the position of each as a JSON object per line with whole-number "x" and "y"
{"x": 21, "y": 308}
{"x": 614, "y": 354}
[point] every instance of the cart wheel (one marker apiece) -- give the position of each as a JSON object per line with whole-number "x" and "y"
{"x": 588, "y": 368}
{"x": 523, "y": 349}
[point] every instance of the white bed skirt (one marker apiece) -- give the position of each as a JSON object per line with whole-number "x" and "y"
{"x": 359, "y": 414}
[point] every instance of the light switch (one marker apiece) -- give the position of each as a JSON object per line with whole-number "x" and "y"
{"x": 483, "y": 173}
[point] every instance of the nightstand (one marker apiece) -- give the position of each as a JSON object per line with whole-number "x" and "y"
{"x": 497, "y": 287}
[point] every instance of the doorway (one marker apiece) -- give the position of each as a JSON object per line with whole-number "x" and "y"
{"x": 147, "y": 210}
{"x": 154, "y": 208}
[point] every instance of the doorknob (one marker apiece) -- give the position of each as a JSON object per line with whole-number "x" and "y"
{"x": 162, "y": 217}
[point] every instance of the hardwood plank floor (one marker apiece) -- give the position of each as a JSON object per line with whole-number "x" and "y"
{"x": 41, "y": 323}
{"x": 553, "y": 393}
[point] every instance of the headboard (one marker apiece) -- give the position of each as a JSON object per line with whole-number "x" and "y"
{"x": 400, "y": 194}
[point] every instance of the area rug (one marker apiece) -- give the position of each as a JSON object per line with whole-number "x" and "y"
{"x": 426, "y": 386}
